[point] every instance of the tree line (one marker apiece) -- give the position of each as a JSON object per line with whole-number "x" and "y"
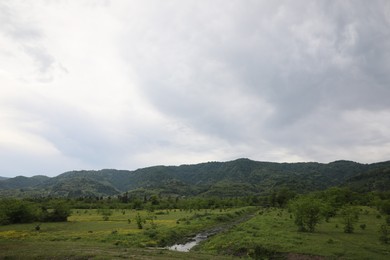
{"x": 308, "y": 209}
{"x": 13, "y": 211}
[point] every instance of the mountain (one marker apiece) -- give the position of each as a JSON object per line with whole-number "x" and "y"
{"x": 21, "y": 182}
{"x": 234, "y": 178}
{"x": 374, "y": 180}
{"x": 3, "y": 178}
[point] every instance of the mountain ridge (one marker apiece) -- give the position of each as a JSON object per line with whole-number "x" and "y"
{"x": 242, "y": 176}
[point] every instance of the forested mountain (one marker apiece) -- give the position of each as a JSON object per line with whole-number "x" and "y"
{"x": 373, "y": 180}
{"x": 234, "y": 178}
{"x": 21, "y": 182}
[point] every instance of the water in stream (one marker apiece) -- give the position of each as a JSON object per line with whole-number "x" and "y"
{"x": 204, "y": 235}
{"x": 187, "y": 246}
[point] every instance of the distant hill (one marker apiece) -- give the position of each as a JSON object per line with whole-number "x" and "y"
{"x": 234, "y": 178}
{"x": 3, "y": 178}
{"x": 21, "y": 182}
{"x": 374, "y": 180}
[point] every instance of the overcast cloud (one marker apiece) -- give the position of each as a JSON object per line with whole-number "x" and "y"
{"x": 130, "y": 84}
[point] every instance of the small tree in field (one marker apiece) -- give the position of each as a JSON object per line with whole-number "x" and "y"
{"x": 350, "y": 217}
{"x": 307, "y": 212}
{"x": 138, "y": 219}
{"x": 106, "y": 213}
{"x": 384, "y": 234}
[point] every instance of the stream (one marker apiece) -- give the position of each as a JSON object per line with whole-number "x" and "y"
{"x": 186, "y": 247}
{"x": 196, "y": 240}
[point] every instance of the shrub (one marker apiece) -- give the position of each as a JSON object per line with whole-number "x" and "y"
{"x": 139, "y": 221}
{"x": 384, "y": 234}
{"x": 350, "y": 216}
{"x": 60, "y": 212}
{"x": 18, "y": 211}
{"x": 307, "y": 212}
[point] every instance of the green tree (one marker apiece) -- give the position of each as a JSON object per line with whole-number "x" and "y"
{"x": 307, "y": 211}
{"x": 350, "y": 217}
{"x": 283, "y": 196}
{"x": 384, "y": 206}
{"x": 384, "y": 234}
{"x": 139, "y": 221}
{"x": 106, "y": 213}
{"x": 18, "y": 211}
{"x": 60, "y": 211}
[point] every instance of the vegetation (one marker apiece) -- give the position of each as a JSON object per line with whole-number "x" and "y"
{"x": 241, "y": 177}
{"x": 272, "y": 234}
{"x": 255, "y": 209}
{"x": 307, "y": 211}
{"x": 21, "y": 211}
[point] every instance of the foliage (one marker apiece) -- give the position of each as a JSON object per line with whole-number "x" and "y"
{"x": 60, "y": 211}
{"x": 384, "y": 206}
{"x": 105, "y": 212}
{"x": 274, "y": 231}
{"x": 18, "y": 211}
{"x": 350, "y": 217}
{"x": 22, "y": 211}
{"x": 236, "y": 178}
{"x": 139, "y": 221}
{"x": 307, "y": 211}
{"x": 384, "y": 233}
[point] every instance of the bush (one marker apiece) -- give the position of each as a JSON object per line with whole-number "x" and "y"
{"x": 18, "y": 211}
{"x": 384, "y": 234}
{"x": 139, "y": 221}
{"x": 350, "y": 217}
{"x": 261, "y": 252}
{"x": 307, "y": 212}
{"x": 60, "y": 212}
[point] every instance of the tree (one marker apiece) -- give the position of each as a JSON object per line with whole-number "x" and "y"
{"x": 384, "y": 234}
{"x": 307, "y": 211}
{"x": 17, "y": 211}
{"x": 384, "y": 206}
{"x": 138, "y": 219}
{"x": 106, "y": 213}
{"x": 350, "y": 217}
{"x": 60, "y": 211}
{"x": 283, "y": 196}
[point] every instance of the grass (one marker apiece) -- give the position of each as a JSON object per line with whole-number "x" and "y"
{"x": 274, "y": 231}
{"x": 83, "y": 250}
{"x": 87, "y": 234}
{"x": 271, "y": 232}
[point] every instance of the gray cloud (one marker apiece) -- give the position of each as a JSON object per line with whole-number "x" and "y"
{"x": 296, "y": 56}
{"x": 157, "y": 82}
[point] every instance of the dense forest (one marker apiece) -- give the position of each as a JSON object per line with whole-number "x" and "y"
{"x": 242, "y": 177}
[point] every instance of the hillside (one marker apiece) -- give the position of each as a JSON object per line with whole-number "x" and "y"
{"x": 21, "y": 182}
{"x": 373, "y": 180}
{"x": 234, "y": 178}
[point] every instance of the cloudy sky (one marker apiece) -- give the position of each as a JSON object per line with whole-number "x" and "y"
{"x": 129, "y": 84}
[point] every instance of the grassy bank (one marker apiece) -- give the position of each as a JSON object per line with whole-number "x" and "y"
{"x": 273, "y": 231}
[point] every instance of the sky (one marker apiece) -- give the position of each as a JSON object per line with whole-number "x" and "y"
{"x": 129, "y": 84}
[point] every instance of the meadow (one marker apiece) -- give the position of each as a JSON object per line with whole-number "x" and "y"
{"x": 272, "y": 233}
{"x": 107, "y": 234}
{"x": 268, "y": 233}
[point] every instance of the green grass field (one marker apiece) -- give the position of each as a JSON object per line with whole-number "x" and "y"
{"x": 273, "y": 230}
{"x": 87, "y": 235}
